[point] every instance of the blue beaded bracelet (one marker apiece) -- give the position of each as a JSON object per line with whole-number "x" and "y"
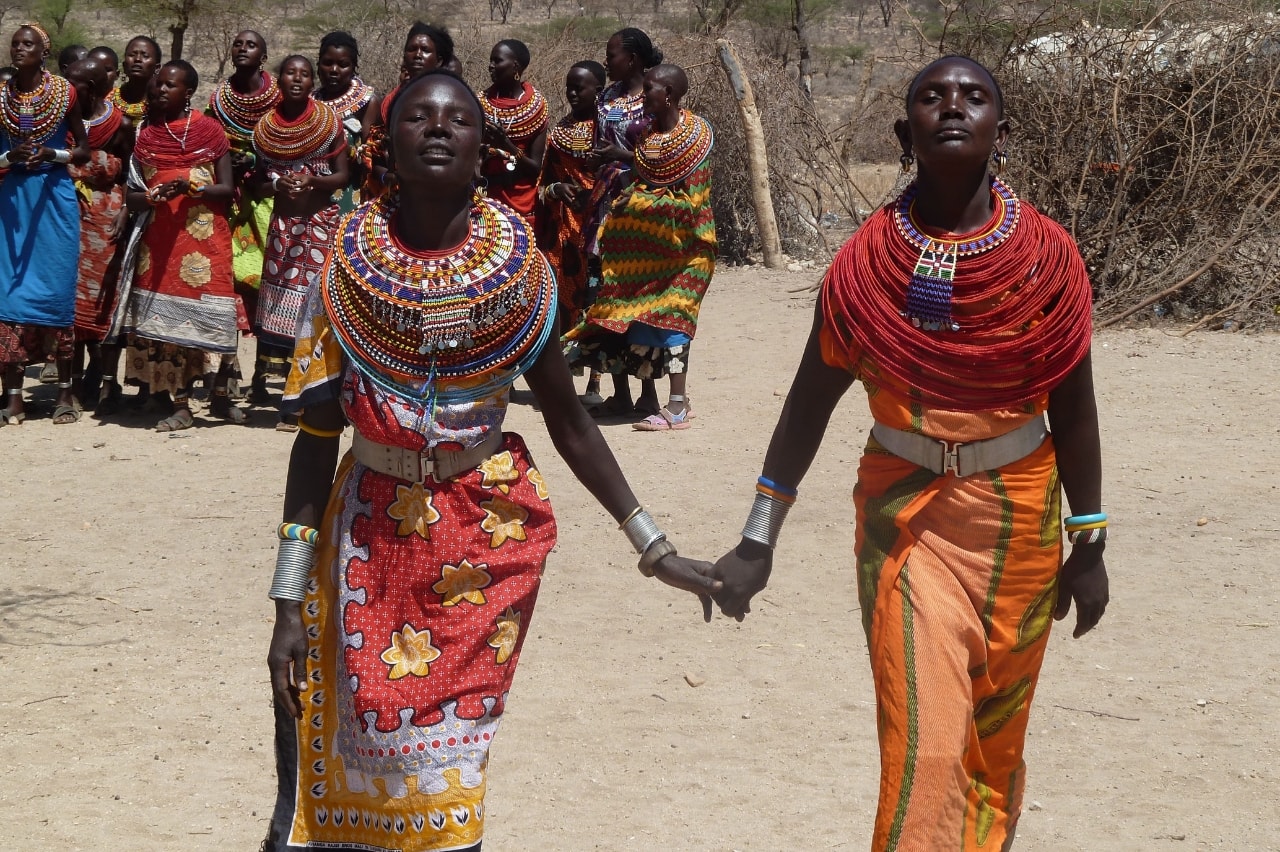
{"x": 769, "y": 483}
{"x": 1085, "y": 519}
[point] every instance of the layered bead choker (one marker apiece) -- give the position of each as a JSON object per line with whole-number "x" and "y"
{"x": 350, "y": 102}
{"x": 930, "y": 290}
{"x": 523, "y": 120}
{"x": 36, "y": 115}
{"x": 453, "y": 326}
{"x": 134, "y": 111}
{"x": 285, "y": 143}
{"x": 664, "y": 158}
{"x": 573, "y": 137}
{"x": 239, "y": 113}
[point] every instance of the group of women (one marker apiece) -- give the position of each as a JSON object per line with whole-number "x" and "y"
{"x": 182, "y": 251}
{"x": 408, "y": 569}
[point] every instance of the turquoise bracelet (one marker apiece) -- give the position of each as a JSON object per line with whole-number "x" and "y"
{"x": 1085, "y": 519}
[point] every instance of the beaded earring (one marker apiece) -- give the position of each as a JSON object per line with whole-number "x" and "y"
{"x": 480, "y": 188}
{"x": 907, "y": 159}
{"x": 1000, "y": 160}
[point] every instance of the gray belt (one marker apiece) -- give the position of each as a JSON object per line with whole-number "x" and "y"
{"x": 962, "y": 459}
{"x": 413, "y": 466}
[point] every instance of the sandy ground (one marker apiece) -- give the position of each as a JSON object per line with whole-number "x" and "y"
{"x": 134, "y": 625}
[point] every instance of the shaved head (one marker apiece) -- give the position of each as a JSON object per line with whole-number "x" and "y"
{"x": 671, "y": 76}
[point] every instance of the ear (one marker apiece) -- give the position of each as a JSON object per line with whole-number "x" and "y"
{"x": 1002, "y": 134}
{"x": 902, "y": 130}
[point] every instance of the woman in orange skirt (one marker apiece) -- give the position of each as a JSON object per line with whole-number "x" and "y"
{"x": 966, "y": 314}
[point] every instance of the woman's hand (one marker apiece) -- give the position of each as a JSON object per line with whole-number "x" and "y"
{"x": 22, "y": 152}
{"x": 118, "y": 223}
{"x": 692, "y": 575}
{"x": 1083, "y": 579}
{"x": 496, "y": 137}
{"x": 744, "y": 572}
{"x": 287, "y": 657}
{"x": 296, "y": 184}
{"x": 610, "y": 153}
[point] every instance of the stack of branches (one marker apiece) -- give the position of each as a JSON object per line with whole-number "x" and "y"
{"x": 1158, "y": 147}
{"x": 808, "y": 179}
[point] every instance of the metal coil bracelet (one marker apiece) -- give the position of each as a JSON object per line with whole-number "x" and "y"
{"x": 642, "y": 531}
{"x": 764, "y": 522}
{"x": 294, "y": 561}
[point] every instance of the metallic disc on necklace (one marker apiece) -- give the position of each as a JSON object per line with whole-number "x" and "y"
{"x": 424, "y": 348}
{"x": 511, "y": 167}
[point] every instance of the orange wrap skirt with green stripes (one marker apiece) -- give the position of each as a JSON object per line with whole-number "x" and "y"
{"x": 957, "y": 579}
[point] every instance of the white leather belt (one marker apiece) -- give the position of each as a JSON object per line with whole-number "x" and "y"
{"x": 413, "y": 466}
{"x": 962, "y": 459}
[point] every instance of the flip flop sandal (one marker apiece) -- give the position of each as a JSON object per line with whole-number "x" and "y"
{"x": 664, "y": 421}
{"x": 12, "y": 418}
{"x": 64, "y": 414}
{"x": 49, "y": 373}
{"x": 220, "y": 406}
{"x": 176, "y": 422}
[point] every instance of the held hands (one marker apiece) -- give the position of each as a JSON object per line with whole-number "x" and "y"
{"x": 608, "y": 153}
{"x": 743, "y": 572}
{"x": 169, "y": 190}
{"x": 1083, "y": 578}
{"x": 692, "y": 575}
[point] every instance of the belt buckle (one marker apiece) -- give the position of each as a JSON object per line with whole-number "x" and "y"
{"x": 950, "y": 457}
{"x": 426, "y": 466}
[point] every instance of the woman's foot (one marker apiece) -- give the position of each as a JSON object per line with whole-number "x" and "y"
{"x": 612, "y": 407}
{"x": 665, "y": 420}
{"x": 13, "y": 414}
{"x": 176, "y": 422}
{"x": 220, "y": 406}
{"x": 110, "y": 399}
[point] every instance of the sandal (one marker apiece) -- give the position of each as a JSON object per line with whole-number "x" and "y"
{"x": 664, "y": 421}
{"x": 287, "y": 423}
{"x": 12, "y": 418}
{"x": 110, "y": 401}
{"x": 49, "y": 373}
{"x": 176, "y": 422}
{"x": 591, "y": 398}
{"x": 64, "y": 414}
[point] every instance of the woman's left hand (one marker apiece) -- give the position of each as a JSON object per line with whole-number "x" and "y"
{"x": 692, "y": 575}
{"x": 496, "y": 137}
{"x": 1083, "y": 579}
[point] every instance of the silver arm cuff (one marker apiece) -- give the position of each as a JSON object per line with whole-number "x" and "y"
{"x": 294, "y": 561}
{"x": 764, "y": 522}
{"x": 642, "y": 531}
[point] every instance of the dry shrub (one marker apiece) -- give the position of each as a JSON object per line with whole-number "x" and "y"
{"x": 1158, "y": 149}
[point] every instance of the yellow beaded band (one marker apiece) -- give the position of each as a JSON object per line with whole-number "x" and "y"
{"x": 319, "y": 433}
{"x": 1096, "y": 525}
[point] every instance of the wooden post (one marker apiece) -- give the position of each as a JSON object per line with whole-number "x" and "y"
{"x": 757, "y": 157}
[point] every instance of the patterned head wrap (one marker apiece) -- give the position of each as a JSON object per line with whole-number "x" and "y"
{"x": 38, "y": 30}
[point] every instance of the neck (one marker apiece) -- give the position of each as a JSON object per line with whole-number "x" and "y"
{"x": 508, "y": 89}
{"x": 97, "y": 107}
{"x": 585, "y": 112}
{"x": 169, "y": 118}
{"x": 432, "y": 220}
{"x": 328, "y": 94}
{"x": 958, "y": 203}
{"x": 133, "y": 90}
{"x": 247, "y": 80}
{"x": 293, "y": 109}
{"x": 27, "y": 79}
{"x": 667, "y": 118}
{"x": 635, "y": 83}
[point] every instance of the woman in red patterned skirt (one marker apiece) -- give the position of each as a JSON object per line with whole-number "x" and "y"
{"x": 408, "y": 572}
{"x": 302, "y": 162}
{"x": 103, "y": 219}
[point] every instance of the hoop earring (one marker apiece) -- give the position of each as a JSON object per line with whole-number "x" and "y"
{"x": 907, "y": 159}
{"x": 480, "y": 187}
{"x": 1001, "y": 161}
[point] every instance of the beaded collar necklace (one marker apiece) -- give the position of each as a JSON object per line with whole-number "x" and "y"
{"x": 286, "y": 143}
{"x": 664, "y": 158}
{"x": 134, "y": 111}
{"x": 351, "y": 101}
{"x": 239, "y": 113}
{"x": 574, "y": 137}
{"x": 34, "y": 115}
{"x": 524, "y": 120}
{"x": 617, "y": 106}
{"x": 456, "y": 325}
{"x": 930, "y": 291}
{"x": 102, "y": 119}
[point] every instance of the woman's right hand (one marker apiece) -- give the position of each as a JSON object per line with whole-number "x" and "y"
{"x": 610, "y": 153}
{"x": 745, "y": 572}
{"x": 287, "y": 658}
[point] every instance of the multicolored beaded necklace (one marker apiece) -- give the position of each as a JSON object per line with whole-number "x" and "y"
{"x": 239, "y": 113}
{"x": 664, "y": 158}
{"x": 523, "y": 120}
{"x": 36, "y": 115}
{"x": 285, "y": 144}
{"x": 454, "y": 326}
{"x": 617, "y": 108}
{"x": 573, "y": 137}
{"x": 133, "y": 111}
{"x": 100, "y": 130}
{"x": 350, "y": 102}
{"x": 930, "y": 291}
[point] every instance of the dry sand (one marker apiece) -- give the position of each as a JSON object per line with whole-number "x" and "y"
{"x": 134, "y": 625}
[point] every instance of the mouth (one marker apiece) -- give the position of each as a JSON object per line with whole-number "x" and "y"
{"x": 953, "y": 132}
{"x": 435, "y": 152}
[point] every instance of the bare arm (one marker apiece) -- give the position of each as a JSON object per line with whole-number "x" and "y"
{"x": 815, "y": 392}
{"x": 1073, "y": 417}
{"x": 578, "y": 440}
